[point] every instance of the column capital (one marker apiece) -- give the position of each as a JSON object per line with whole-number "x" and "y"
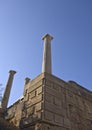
{"x": 47, "y": 36}
{"x": 12, "y": 72}
{"x": 27, "y": 80}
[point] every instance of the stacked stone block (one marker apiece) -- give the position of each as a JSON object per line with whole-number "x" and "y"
{"x": 50, "y": 103}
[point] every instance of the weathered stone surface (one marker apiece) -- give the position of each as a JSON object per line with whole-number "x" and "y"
{"x": 52, "y": 104}
{"x": 49, "y": 116}
{"x": 59, "y": 119}
{"x": 48, "y": 102}
{"x": 46, "y": 64}
{"x": 6, "y": 95}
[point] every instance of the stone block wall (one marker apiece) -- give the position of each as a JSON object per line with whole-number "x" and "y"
{"x": 67, "y": 105}
{"x": 33, "y": 97}
{"x": 50, "y": 103}
{"x": 55, "y": 107}
{"x": 27, "y": 111}
{"x": 14, "y": 112}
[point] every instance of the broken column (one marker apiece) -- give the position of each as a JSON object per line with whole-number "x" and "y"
{"x": 46, "y": 64}
{"x": 6, "y": 95}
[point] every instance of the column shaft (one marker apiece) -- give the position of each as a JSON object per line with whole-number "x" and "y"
{"x": 6, "y": 95}
{"x": 47, "y": 61}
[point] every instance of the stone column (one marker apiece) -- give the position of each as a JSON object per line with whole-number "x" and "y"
{"x": 46, "y": 64}
{"x": 6, "y": 95}
{"x": 27, "y": 80}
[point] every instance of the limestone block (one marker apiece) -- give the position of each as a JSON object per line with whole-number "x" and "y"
{"x": 32, "y": 127}
{"x": 57, "y": 87}
{"x": 46, "y": 127}
{"x": 33, "y": 101}
{"x": 38, "y": 126}
{"x": 39, "y": 90}
{"x": 70, "y": 93}
{"x": 11, "y": 113}
{"x": 52, "y": 127}
{"x": 28, "y": 104}
{"x": 34, "y": 109}
{"x": 38, "y": 84}
{"x": 88, "y": 107}
{"x": 24, "y": 113}
{"x": 67, "y": 122}
{"x": 18, "y": 116}
{"x": 26, "y": 97}
{"x": 38, "y": 106}
{"x": 80, "y": 103}
{"x": 74, "y": 126}
{"x": 49, "y": 116}
{"x": 29, "y": 120}
{"x": 36, "y": 99}
{"x": 64, "y": 90}
{"x": 57, "y": 101}
{"x": 26, "y": 121}
{"x": 54, "y": 109}
{"x": 73, "y": 100}
{"x": 64, "y": 101}
{"x": 88, "y": 124}
{"x": 89, "y": 116}
{"x": 49, "y": 98}
{"x": 70, "y": 97}
{"x": 53, "y": 92}
{"x": 39, "y": 114}
{"x": 20, "y": 106}
{"x": 35, "y": 86}
{"x": 49, "y": 84}
{"x": 32, "y": 94}
{"x": 30, "y": 110}
{"x": 59, "y": 119}
{"x": 69, "y": 110}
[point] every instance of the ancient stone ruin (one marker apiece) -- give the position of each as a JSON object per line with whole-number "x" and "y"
{"x": 49, "y": 103}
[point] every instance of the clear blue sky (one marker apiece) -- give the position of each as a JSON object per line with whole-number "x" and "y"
{"x": 22, "y": 25}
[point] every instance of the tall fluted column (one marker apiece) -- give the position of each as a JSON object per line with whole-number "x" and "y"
{"x": 46, "y": 64}
{"x": 6, "y": 95}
